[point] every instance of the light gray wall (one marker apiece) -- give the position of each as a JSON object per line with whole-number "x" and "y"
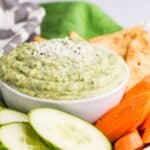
{"x": 126, "y": 12}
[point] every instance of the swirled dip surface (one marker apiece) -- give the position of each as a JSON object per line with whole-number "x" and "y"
{"x": 61, "y": 69}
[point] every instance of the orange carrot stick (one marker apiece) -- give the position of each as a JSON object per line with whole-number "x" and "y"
{"x": 146, "y": 123}
{"x": 125, "y": 117}
{"x": 141, "y": 87}
{"x": 131, "y": 141}
{"x": 146, "y": 136}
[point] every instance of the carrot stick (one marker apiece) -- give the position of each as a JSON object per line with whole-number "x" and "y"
{"x": 125, "y": 117}
{"x": 38, "y": 39}
{"x": 146, "y": 136}
{"x": 139, "y": 88}
{"x": 131, "y": 141}
{"x": 146, "y": 123}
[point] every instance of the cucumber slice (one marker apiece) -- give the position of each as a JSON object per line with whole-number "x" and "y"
{"x": 20, "y": 136}
{"x": 9, "y": 116}
{"x": 1, "y": 107}
{"x": 66, "y": 131}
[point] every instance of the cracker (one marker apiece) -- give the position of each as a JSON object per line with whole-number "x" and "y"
{"x": 138, "y": 59}
{"x": 118, "y": 41}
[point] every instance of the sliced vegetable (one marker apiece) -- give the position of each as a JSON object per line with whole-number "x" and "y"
{"x": 20, "y": 136}
{"x": 146, "y": 136}
{"x": 1, "y": 107}
{"x": 131, "y": 141}
{"x": 67, "y": 132}
{"x": 146, "y": 123}
{"x": 9, "y": 116}
{"x": 125, "y": 117}
{"x": 141, "y": 87}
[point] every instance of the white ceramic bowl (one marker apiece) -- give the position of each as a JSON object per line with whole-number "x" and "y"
{"x": 89, "y": 109}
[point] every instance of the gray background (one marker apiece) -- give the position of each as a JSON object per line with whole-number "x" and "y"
{"x": 125, "y": 12}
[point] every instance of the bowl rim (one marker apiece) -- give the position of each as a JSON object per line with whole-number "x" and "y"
{"x": 82, "y": 100}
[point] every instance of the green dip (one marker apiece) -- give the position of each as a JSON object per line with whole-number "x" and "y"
{"x": 62, "y": 69}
